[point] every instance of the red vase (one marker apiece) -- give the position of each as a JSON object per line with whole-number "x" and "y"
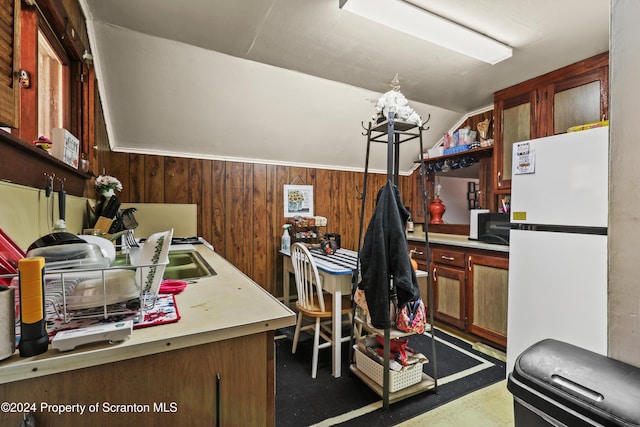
{"x": 436, "y": 209}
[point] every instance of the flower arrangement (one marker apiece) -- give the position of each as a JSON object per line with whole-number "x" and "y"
{"x": 394, "y": 101}
{"x": 106, "y": 183}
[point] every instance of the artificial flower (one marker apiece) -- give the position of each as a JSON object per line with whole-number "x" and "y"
{"x": 106, "y": 182}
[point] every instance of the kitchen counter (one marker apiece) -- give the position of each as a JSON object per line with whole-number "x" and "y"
{"x": 225, "y": 306}
{"x": 456, "y": 240}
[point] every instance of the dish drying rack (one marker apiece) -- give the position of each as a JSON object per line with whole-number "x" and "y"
{"x": 102, "y": 292}
{"x": 93, "y": 293}
{"x": 122, "y": 290}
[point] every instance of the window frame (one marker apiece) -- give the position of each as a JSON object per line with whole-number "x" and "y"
{"x": 62, "y": 56}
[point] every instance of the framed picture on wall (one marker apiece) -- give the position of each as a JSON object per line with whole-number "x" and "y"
{"x": 298, "y": 200}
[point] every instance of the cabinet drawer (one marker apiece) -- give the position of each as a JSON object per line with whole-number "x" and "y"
{"x": 448, "y": 257}
{"x": 420, "y": 251}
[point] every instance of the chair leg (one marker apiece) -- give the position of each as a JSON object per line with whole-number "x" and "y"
{"x": 316, "y": 344}
{"x": 296, "y": 334}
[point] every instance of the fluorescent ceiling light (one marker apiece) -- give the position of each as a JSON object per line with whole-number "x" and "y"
{"x": 412, "y": 20}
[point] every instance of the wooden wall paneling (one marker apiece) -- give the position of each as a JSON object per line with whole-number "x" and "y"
{"x": 195, "y": 182}
{"x": 119, "y": 168}
{"x": 136, "y": 178}
{"x": 261, "y": 238}
{"x": 205, "y": 211}
{"x": 331, "y": 210}
{"x": 176, "y": 179}
{"x": 374, "y": 182}
{"x": 281, "y": 179}
{"x": 357, "y": 203}
{"x": 233, "y": 224}
{"x": 486, "y": 197}
{"x": 406, "y": 186}
{"x": 298, "y": 176}
{"x": 311, "y": 176}
{"x": 322, "y": 192}
{"x": 218, "y": 206}
{"x": 154, "y": 179}
{"x": 247, "y": 222}
{"x": 272, "y": 230}
{"x": 349, "y": 210}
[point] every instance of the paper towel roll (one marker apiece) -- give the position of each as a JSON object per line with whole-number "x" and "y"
{"x": 7, "y": 322}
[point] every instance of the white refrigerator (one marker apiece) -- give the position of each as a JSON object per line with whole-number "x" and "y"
{"x": 558, "y": 242}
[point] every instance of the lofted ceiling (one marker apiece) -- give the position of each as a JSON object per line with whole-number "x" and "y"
{"x": 291, "y": 81}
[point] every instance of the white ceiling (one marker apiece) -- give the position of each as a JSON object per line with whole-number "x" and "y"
{"x": 291, "y": 81}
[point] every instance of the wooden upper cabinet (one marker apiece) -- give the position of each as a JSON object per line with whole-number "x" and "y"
{"x": 418, "y": 205}
{"x": 548, "y": 105}
{"x": 9, "y": 87}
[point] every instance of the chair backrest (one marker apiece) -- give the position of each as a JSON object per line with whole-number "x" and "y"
{"x": 308, "y": 281}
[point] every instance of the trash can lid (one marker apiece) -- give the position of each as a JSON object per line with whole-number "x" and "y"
{"x": 582, "y": 380}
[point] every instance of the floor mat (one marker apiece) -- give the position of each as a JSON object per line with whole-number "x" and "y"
{"x": 325, "y": 400}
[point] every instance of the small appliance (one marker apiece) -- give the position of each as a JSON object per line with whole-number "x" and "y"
{"x": 494, "y": 228}
{"x": 473, "y": 222}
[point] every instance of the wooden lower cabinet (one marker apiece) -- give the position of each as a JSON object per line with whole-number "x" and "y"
{"x": 488, "y": 286}
{"x": 226, "y": 383}
{"x": 449, "y": 295}
{"x": 470, "y": 289}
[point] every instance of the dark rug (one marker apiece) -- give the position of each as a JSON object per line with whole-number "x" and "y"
{"x": 304, "y": 401}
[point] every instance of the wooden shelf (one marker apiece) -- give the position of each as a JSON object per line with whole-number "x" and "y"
{"x": 481, "y": 150}
{"x": 402, "y": 130}
{"x": 393, "y": 332}
{"x": 29, "y": 165}
{"x": 427, "y": 383}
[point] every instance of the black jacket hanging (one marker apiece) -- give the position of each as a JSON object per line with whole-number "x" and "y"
{"x": 385, "y": 255}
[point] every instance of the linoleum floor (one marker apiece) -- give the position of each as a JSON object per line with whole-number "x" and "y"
{"x": 491, "y": 406}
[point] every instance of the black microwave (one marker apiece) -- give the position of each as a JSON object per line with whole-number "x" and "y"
{"x": 494, "y": 228}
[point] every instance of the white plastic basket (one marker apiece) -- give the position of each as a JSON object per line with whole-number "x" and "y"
{"x": 408, "y": 376}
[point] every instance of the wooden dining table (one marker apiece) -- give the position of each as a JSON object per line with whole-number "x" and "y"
{"x": 336, "y": 272}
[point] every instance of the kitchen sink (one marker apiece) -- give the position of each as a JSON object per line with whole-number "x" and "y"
{"x": 183, "y": 265}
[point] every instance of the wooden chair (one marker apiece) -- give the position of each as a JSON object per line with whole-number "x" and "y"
{"x": 313, "y": 303}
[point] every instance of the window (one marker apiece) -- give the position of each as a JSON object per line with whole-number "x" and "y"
{"x": 51, "y": 88}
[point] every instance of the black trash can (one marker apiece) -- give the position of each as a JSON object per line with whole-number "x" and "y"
{"x": 558, "y": 384}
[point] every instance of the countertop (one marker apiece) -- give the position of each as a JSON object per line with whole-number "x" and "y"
{"x": 456, "y": 240}
{"x": 225, "y": 306}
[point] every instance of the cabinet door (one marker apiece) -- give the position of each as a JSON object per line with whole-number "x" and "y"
{"x": 514, "y": 122}
{"x": 488, "y": 282}
{"x": 576, "y": 101}
{"x": 418, "y": 205}
{"x": 449, "y": 294}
